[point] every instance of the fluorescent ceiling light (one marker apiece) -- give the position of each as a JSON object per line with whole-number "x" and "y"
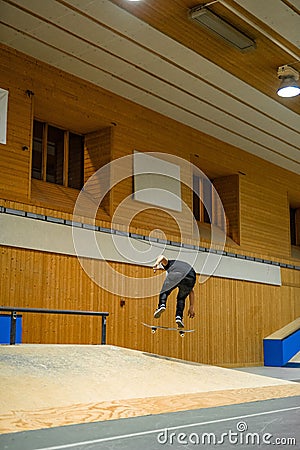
{"x": 289, "y": 86}
{"x": 220, "y": 27}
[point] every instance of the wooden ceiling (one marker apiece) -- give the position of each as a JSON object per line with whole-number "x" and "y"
{"x": 257, "y": 68}
{"x": 151, "y": 53}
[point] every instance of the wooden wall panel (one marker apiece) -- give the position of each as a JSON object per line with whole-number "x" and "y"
{"x": 291, "y": 278}
{"x": 264, "y": 187}
{"x": 264, "y": 216}
{"x": 14, "y": 161}
{"x": 229, "y": 192}
{"x": 232, "y": 316}
{"x": 98, "y": 153}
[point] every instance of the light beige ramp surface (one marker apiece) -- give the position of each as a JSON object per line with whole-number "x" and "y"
{"x": 296, "y": 358}
{"x": 51, "y": 385}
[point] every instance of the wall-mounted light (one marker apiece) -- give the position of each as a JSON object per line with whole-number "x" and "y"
{"x": 206, "y": 18}
{"x": 289, "y": 86}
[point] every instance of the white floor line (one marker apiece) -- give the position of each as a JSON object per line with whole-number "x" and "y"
{"x": 144, "y": 433}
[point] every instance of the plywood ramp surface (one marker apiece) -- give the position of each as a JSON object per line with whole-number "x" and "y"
{"x": 296, "y": 358}
{"x": 45, "y": 385}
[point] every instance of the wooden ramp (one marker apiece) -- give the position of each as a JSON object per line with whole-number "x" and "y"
{"x": 296, "y": 358}
{"x": 295, "y": 361}
{"x": 44, "y": 386}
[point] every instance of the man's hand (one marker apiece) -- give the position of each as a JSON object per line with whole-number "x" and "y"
{"x": 155, "y": 267}
{"x": 191, "y": 312}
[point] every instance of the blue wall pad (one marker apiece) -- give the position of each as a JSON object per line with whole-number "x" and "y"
{"x": 278, "y": 352}
{"x": 5, "y": 329}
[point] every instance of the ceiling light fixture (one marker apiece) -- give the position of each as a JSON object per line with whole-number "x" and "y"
{"x": 206, "y": 18}
{"x": 289, "y": 86}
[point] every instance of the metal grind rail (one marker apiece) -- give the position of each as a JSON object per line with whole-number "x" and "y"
{"x": 14, "y": 310}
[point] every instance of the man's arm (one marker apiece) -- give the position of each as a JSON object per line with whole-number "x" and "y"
{"x": 191, "y": 311}
{"x": 160, "y": 260}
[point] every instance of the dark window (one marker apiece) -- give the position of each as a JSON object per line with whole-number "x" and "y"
{"x": 203, "y": 197}
{"x": 75, "y": 172}
{"x": 57, "y": 155}
{"x": 37, "y": 150}
{"x": 207, "y": 196}
{"x": 293, "y": 226}
{"x": 217, "y": 202}
{"x": 196, "y": 199}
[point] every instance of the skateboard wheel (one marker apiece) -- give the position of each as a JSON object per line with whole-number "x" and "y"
{"x": 153, "y": 331}
{"x": 181, "y": 333}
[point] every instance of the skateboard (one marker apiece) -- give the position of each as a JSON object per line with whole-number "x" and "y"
{"x": 154, "y": 328}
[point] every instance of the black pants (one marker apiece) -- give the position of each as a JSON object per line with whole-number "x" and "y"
{"x": 185, "y": 286}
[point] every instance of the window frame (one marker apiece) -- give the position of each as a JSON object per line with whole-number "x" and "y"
{"x": 201, "y": 188}
{"x": 3, "y": 115}
{"x": 294, "y": 227}
{"x": 66, "y": 151}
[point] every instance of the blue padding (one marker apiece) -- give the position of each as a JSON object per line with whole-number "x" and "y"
{"x": 291, "y": 346}
{"x": 5, "y": 329}
{"x": 278, "y": 352}
{"x": 273, "y": 352}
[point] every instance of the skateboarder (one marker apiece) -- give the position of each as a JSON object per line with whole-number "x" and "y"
{"x": 179, "y": 275}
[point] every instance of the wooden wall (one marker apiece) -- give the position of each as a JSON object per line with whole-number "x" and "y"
{"x": 229, "y": 191}
{"x": 232, "y": 316}
{"x": 98, "y": 153}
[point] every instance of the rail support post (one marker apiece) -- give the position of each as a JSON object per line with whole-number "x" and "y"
{"x": 13, "y": 325}
{"x": 103, "y": 339}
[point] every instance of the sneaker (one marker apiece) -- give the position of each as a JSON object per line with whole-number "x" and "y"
{"x": 179, "y": 322}
{"x": 159, "y": 311}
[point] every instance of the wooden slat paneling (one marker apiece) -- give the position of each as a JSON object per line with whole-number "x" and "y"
{"x": 229, "y": 191}
{"x": 98, "y": 153}
{"x": 232, "y": 317}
